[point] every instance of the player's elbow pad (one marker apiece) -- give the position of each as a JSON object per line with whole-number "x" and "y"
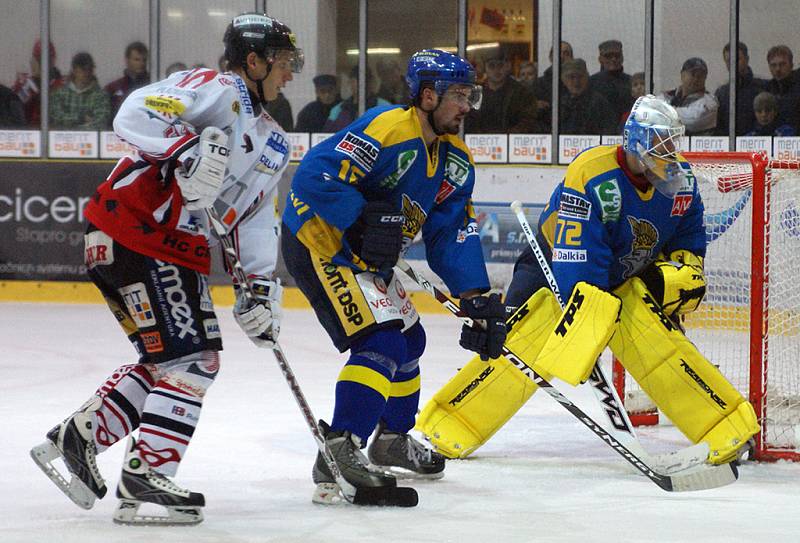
{"x": 583, "y": 331}
{"x": 677, "y": 283}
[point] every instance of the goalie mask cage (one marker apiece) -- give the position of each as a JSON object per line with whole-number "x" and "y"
{"x": 749, "y": 322}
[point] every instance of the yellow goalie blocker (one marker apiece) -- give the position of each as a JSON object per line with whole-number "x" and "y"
{"x": 482, "y": 396}
{"x": 684, "y": 385}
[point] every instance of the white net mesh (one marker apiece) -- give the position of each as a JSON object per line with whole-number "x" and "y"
{"x": 721, "y": 327}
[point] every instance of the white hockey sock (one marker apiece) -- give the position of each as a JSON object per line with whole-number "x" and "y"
{"x": 123, "y": 394}
{"x": 172, "y": 410}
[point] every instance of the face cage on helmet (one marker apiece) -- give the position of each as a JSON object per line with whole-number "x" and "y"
{"x": 474, "y": 98}
{"x": 662, "y": 138}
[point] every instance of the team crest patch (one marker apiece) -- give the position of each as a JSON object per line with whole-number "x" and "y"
{"x": 645, "y": 239}
{"x": 138, "y": 304}
{"x": 414, "y": 217}
{"x": 680, "y": 205}
{"x": 404, "y": 162}
{"x": 360, "y": 150}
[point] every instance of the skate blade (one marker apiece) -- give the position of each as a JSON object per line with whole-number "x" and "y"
{"x": 127, "y": 513}
{"x": 384, "y": 496}
{"x": 402, "y": 474}
{"x": 75, "y": 489}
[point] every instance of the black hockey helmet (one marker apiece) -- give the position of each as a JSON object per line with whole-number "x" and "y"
{"x": 263, "y": 35}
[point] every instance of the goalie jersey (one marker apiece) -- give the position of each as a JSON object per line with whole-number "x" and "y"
{"x": 382, "y": 156}
{"x": 603, "y": 230}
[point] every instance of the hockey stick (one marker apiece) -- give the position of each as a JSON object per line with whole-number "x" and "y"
{"x": 701, "y": 479}
{"x": 358, "y": 496}
{"x": 601, "y": 386}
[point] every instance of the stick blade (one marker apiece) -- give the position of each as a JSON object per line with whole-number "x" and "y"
{"x": 705, "y": 479}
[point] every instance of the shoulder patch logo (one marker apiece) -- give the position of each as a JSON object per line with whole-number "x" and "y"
{"x": 610, "y": 200}
{"x": 456, "y": 169}
{"x": 574, "y": 207}
{"x": 360, "y": 150}
{"x": 404, "y": 162}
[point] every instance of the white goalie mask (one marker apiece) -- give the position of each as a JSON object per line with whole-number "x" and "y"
{"x": 651, "y": 135}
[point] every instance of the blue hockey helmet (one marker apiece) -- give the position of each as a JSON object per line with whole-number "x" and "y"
{"x": 442, "y": 69}
{"x": 651, "y": 134}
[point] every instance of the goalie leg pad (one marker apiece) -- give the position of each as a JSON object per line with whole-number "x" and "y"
{"x": 687, "y": 388}
{"x": 583, "y": 331}
{"x": 482, "y": 396}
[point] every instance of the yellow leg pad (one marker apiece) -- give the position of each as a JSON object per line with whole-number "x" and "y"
{"x": 482, "y": 396}
{"x": 581, "y": 334}
{"x": 684, "y": 385}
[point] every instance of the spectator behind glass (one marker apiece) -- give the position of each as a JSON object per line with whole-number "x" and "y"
{"x": 508, "y": 105}
{"x": 281, "y": 110}
{"x": 175, "y": 67}
{"x": 346, "y": 111}
{"x": 544, "y": 85}
{"x": 747, "y": 88}
{"x": 27, "y": 85}
{"x": 313, "y": 116}
{"x": 637, "y": 85}
{"x": 134, "y": 76}
{"x": 393, "y": 87}
{"x": 12, "y": 114}
{"x": 583, "y": 109}
{"x": 767, "y": 122}
{"x": 696, "y": 107}
{"x": 785, "y": 84}
{"x": 80, "y": 104}
{"x": 612, "y": 81}
{"x": 527, "y": 74}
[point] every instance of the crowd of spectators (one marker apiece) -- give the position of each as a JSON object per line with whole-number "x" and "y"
{"x": 515, "y": 98}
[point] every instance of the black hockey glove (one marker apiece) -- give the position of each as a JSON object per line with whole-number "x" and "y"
{"x": 486, "y": 341}
{"x": 381, "y": 229}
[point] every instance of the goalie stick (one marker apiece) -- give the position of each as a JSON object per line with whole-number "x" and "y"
{"x": 382, "y": 496}
{"x": 703, "y": 477}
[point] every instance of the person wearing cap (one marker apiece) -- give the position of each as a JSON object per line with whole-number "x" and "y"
{"x": 768, "y": 123}
{"x": 314, "y": 114}
{"x": 612, "y": 81}
{"x": 27, "y": 85}
{"x": 346, "y": 111}
{"x": 508, "y": 105}
{"x": 696, "y": 106}
{"x": 583, "y": 109}
{"x": 747, "y": 88}
{"x": 81, "y": 104}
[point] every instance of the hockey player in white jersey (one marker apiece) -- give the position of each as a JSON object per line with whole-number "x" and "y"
{"x": 201, "y": 138}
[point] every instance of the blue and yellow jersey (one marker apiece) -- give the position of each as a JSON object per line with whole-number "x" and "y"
{"x": 382, "y": 156}
{"x": 603, "y": 230}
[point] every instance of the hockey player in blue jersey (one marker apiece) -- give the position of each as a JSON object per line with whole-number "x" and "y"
{"x": 624, "y": 236}
{"x": 356, "y": 201}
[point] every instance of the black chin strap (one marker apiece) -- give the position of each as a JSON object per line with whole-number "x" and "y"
{"x": 431, "y": 121}
{"x": 259, "y": 84}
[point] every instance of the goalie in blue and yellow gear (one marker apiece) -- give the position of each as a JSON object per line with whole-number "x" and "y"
{"x": 624, "y": 235}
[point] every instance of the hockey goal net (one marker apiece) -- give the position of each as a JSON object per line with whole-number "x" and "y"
{"x": 749, "y": 322}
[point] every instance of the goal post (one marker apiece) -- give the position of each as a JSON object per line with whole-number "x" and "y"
{"x": 749, "y": 322}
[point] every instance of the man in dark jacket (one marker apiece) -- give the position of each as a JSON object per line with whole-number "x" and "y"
{"x": 543, "y": 88}
{"x": 747, "y": 88}
{"x": 612, "y": 81}
{"x": 134, "y": 76}
{"x": 313, "y": 116}
{"x": 12, "y": 114}
{"x": 583, "y": 109}
{"x": 785, "y": 84}
{"x": 508, "y": 105}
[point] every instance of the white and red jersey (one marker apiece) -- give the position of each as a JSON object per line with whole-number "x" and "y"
{"x": 140, "y": 204}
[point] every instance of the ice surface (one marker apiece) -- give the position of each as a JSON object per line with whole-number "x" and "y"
{"x": 543, "y": 477}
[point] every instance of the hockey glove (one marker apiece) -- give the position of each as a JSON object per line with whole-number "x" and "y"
{"x": 260, "y": 319}
{"x": 677, "y": 283}
{"x": 381, "y": 235}
{"x": 488, "y": 334}
{"x": 201, "y": 177}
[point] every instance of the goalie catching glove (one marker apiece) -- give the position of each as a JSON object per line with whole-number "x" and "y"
{"x": 676, "y": 283}
{"x": 260, "y": 318}
{"x": 486, "y": 340}
{"x": 204, "y": 169}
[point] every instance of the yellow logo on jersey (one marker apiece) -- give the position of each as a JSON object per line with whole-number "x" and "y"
{"x": 414, "y": 217}
{"x": 645, "y": 238}
{"x": 165, "y": 105}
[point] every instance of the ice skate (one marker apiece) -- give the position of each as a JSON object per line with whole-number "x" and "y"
{"x": 72, "y": 441}
{"x": 373, "y": 487}
{"x": 139, "y": 484}
{"x": 404, "y": 456}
